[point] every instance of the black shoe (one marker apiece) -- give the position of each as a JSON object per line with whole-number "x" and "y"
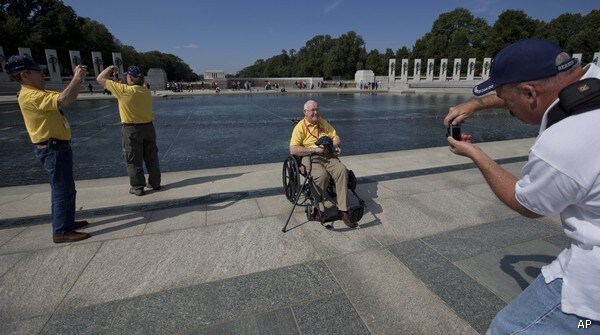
{"x": 156, "y": 188}
{"x": 137, "y": 191}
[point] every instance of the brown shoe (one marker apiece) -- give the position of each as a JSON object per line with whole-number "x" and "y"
{"x": 73, "y": 236}
{"x": 347, "y": 221}
{"x": 317, "y": 214}
{"x": 80, "y": 224}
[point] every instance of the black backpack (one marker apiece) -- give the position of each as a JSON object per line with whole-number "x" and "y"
{"x": 579, "y": 97}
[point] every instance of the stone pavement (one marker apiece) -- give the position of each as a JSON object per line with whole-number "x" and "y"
{"x": 435, "y": 253}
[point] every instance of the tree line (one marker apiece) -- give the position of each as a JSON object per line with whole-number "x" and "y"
{"x": 49, "y": 24}
{"x": 456, "y": 34}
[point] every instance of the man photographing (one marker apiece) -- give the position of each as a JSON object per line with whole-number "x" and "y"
{"x": 137, "y": 132}
{"x": 541, "y": 84}
{"x": 50, "y": 133}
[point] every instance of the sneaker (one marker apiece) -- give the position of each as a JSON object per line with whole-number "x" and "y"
{"x": 137, "y": 191}
{"x": 156, "y": 188}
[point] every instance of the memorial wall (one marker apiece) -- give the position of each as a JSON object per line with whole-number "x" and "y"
{"x": 441, "y": 72}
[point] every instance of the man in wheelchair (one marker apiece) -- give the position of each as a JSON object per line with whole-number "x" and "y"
{"x": 323, "y": 158}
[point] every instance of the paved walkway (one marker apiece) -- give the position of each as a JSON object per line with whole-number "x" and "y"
{"x": 435, "y": 253}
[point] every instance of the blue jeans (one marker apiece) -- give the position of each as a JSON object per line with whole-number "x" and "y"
{"x": 57, "y": 159}
{"x": 537, "y": 311}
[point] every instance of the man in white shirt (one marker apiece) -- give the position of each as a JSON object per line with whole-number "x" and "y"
{"x": 561, "y": 176}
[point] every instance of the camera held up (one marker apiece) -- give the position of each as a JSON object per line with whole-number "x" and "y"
{"x": 454, "y": 131}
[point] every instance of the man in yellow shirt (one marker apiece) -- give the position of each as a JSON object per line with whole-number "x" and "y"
{"x": 50, "y": 132}
{"x": 325, "y": 164}
{"x": 137, "y": 132}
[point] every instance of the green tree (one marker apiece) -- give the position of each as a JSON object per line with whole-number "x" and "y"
{"x": 586, "y": 40}
{"x": 511, "y": 26}
{"x": 373, "y": 62}
{"x": 347, "y": 51}
{"x": 49, "y": 24}
{"x": 456, "y": 34}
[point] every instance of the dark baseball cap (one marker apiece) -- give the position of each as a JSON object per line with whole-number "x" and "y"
{"x": 135, "y": 71}
{"x": 522, "y": 61}
{"x": 16, "y": 64}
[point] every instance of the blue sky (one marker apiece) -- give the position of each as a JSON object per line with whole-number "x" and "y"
{"x": 232, "y": 34}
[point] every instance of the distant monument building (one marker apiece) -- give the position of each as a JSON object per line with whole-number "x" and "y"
{"x": 217, "y": 76}
{"x": 366, "y": 76}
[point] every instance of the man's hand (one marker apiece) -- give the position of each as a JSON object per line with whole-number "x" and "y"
{"x": 318, "y": 150}
{"x": 464, "y": 146}
{"x": 459, "y": 113}
{"x": 79, "y": 73}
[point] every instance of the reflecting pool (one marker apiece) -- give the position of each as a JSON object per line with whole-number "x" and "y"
{"x": 217, "y": 131}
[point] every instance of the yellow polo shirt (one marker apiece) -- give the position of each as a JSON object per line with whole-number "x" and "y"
{"x": 306, "y": 134}
{"x": 42, "y": 117}
{"x": 135, "y": 102}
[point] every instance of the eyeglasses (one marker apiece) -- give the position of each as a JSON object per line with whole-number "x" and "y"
{"x": 312, "y": 109}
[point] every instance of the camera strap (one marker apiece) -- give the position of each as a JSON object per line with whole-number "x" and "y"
{"x": 579, "y": 97}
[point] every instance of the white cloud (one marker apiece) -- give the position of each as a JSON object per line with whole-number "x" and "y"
{"x": 332, "y": 6}
{"x": 482, "y": 6}
{"x": 190, "y": 46}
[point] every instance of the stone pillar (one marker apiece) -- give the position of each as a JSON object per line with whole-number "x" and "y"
{"x": 75, "y": 58}
{"x": 25, "y": 52}
{"x": 404, "y": 73}
{"x": 98, "y": 63}
{"x": 53, "y": 66}
{"x": 456, "y": 73}
{"x": 417, "y": 70}
{"x": 443, "y": 69}
{"x": 471, "y": 69}
{"x": 3, "y": 75}
{"x": 430, "y": 66}
{"x": 392, "y": 72}
{"x": 118, "y": 61}
{"x": 596, "y": 59}
{"x": 578, "y": 57}
{"x": 157, "y": 79}
{"x": 485, "y": 71}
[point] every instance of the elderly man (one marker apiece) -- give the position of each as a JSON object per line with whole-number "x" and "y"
{"x": 50, "y": 133}
{"x": 137, "y": 132}
{"x": 541, "y": 84}
{"x": 325, "y": 164}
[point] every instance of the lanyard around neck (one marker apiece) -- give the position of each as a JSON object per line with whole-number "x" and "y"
{"x": 311, "y": 134}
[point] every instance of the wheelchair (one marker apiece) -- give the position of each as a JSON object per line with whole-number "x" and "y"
{"x": 298, "y": 183}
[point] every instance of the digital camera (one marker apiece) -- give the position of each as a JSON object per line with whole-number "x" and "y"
{"x": 454, "y": 131}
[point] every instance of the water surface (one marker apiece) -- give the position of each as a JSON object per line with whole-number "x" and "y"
{"x": 218, "y": 131}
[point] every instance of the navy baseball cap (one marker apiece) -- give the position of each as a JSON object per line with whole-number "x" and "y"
{"x": 16, "y": 64}
{"x": 525, "y": 60}
{"x": 135, "y": 71}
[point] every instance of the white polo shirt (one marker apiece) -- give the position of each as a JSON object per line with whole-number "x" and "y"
{"x": 562, "y": 176}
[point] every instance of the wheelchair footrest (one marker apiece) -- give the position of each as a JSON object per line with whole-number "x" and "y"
{"x": 330, "y": 214}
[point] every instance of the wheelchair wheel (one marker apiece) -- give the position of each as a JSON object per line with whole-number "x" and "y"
{"x": 291, "y": 178}
{"x": 308, "y": 209}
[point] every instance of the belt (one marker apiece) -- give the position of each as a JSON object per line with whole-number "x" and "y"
{"x": 134, "y": 124}
{"x": 52, "y": 141}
